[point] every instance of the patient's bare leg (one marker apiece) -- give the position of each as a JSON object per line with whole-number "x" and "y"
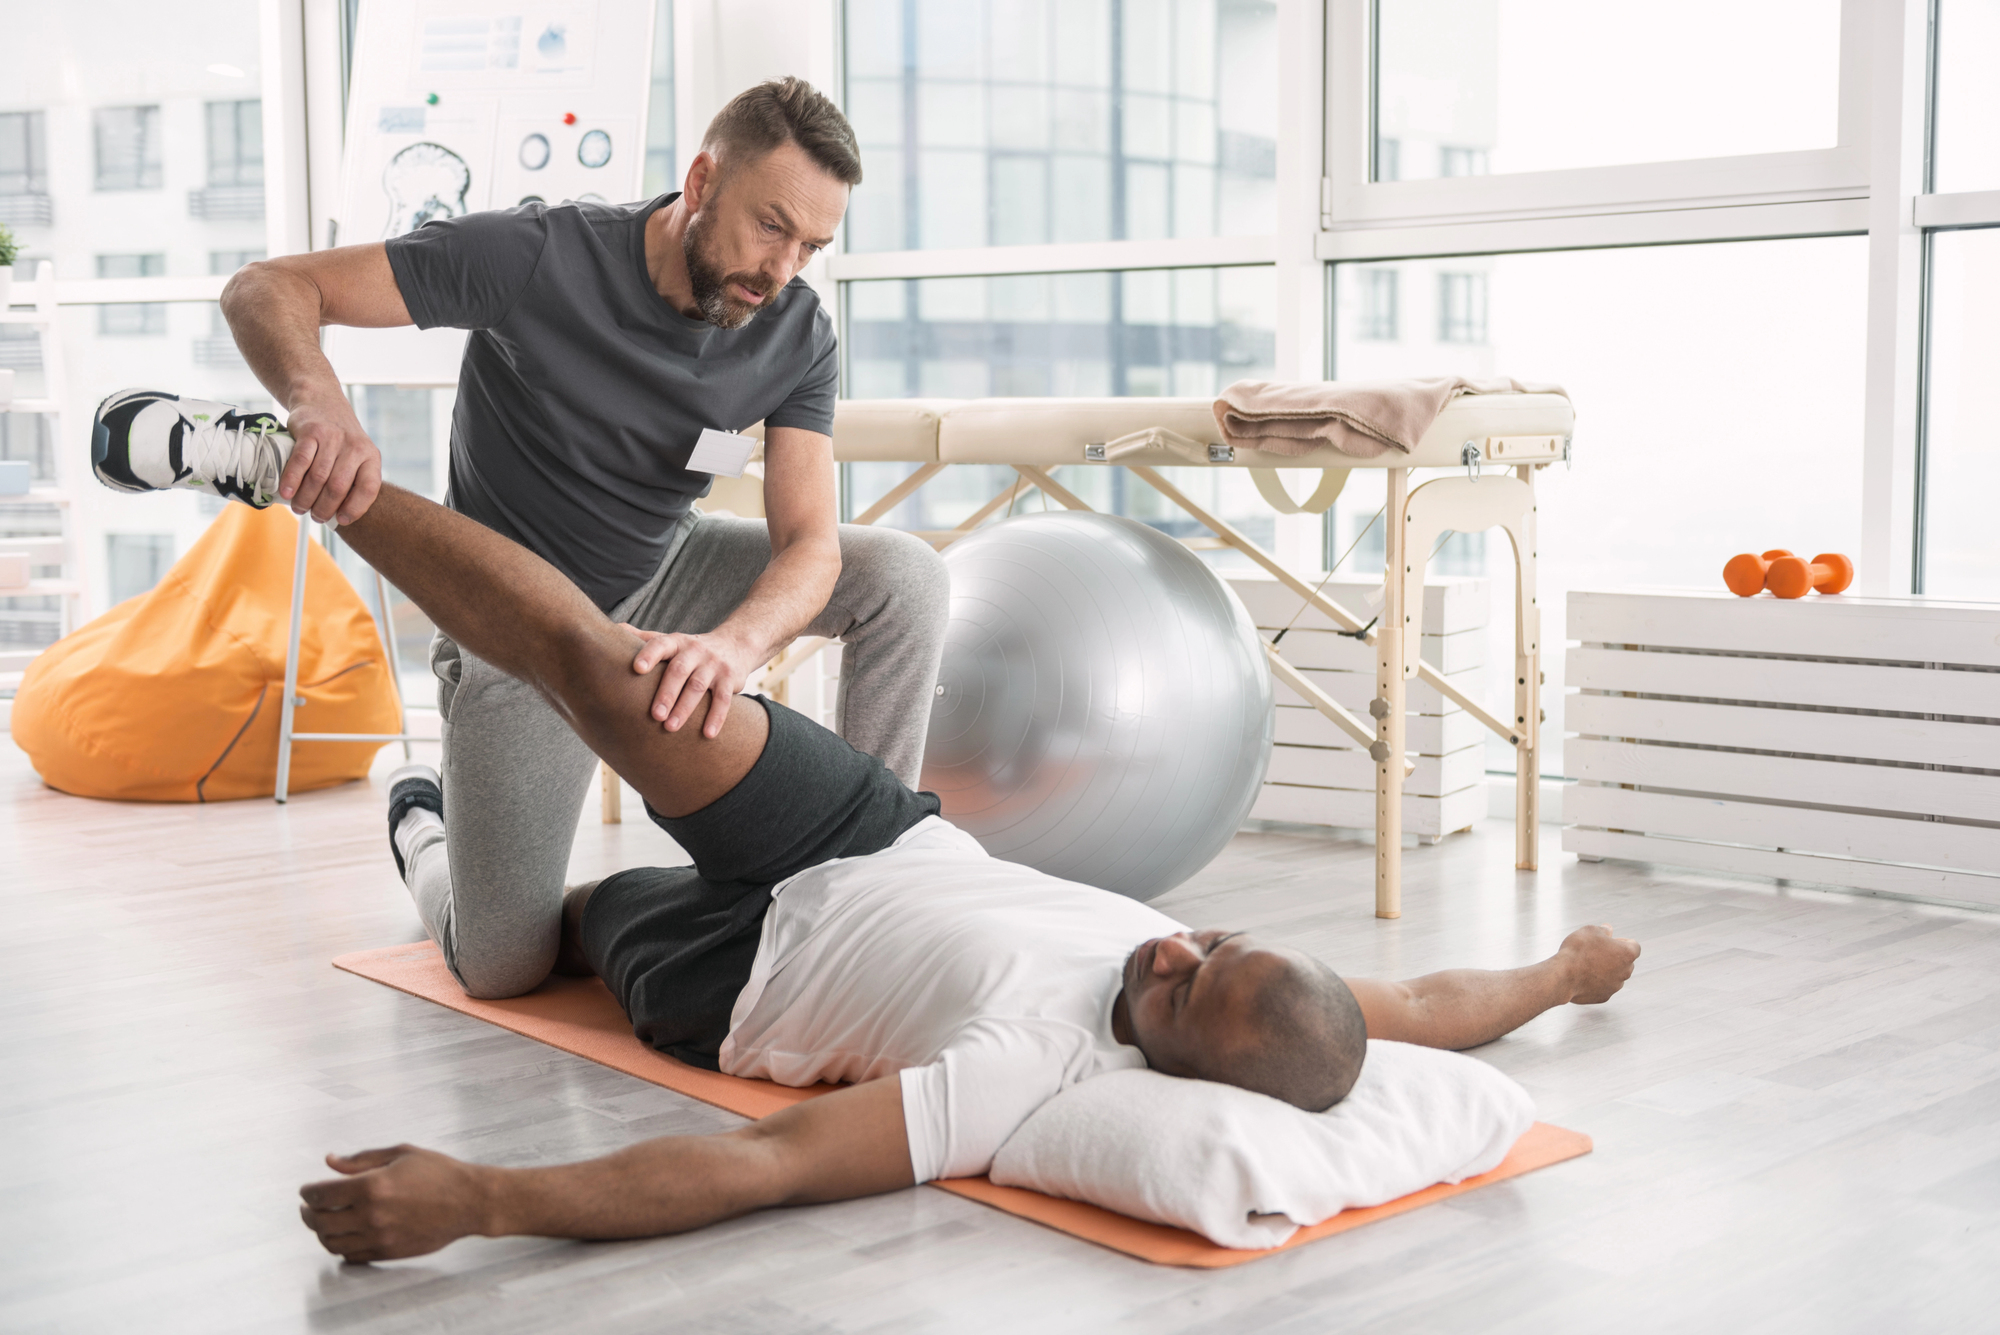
{"x": 1462, "y": 1008}
{"x": 500, "y": 601}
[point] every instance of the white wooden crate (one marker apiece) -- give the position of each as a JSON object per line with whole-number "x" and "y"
{"x": 1846, "y": 741}
{"x": 1317, "y": 775}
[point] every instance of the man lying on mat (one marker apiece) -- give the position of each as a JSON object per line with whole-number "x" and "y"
{"x": 834, "y": 928}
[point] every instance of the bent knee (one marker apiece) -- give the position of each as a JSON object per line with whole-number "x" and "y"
{"x": 899, "y": 569}
{"x": 496, "y": 979}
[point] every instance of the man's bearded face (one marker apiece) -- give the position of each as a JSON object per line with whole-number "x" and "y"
{"x": 711, "y": 285}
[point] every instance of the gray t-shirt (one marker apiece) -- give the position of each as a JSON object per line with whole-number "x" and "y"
{"x": 583, "y": 392}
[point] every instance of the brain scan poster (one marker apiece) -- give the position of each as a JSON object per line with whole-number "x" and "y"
{"x": 461, "y": 105}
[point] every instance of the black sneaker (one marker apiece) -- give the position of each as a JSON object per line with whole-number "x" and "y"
{"x": 411, "y": 786}
{"x": 149, "y": 440}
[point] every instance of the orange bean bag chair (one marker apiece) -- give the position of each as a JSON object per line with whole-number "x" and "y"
{"x": 174, "y": 696}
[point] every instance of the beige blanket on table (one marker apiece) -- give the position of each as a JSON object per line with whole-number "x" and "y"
{"x": 1363, "y": 418}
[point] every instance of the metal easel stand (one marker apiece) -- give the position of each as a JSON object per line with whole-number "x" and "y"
{"x": 292, "y": 699}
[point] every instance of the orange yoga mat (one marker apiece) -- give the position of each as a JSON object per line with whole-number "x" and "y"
{"x": 578, "y": 1015}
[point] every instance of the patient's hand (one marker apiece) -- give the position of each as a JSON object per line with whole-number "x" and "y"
{"x": 1598, "y": 963}
{"x": 394, "y": 1203}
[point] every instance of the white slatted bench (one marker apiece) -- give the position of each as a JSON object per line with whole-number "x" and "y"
{"x": 1845, "y": 741}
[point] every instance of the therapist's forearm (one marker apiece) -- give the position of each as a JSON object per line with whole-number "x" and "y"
{"x": 793, "y": 589}
{"x": 274, "y": 315}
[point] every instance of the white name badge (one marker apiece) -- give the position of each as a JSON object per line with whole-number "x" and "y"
{"x": 723, "y": 453}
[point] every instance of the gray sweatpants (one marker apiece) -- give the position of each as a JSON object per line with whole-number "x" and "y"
{"x": 489, "y": 885}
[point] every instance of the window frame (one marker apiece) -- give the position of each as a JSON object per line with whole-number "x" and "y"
{"x": 1932, "y": 213}
{"x": 1352, "y": 200}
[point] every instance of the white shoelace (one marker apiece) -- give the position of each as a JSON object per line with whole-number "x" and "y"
{"x": 253, "y": 456}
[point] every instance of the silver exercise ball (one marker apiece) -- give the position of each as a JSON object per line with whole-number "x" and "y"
{"x": 1104, "y": 711}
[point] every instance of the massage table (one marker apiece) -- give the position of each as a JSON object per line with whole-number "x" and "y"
{"x": 1491, "y": 444}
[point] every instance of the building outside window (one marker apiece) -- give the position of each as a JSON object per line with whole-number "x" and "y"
{"x": 1378, "y": 305}
{"x": 1158, "y": 331}
{"x": 25, "y": 438}
{"x": 236, "y": 142}
{"x": 1454, "y": 160}
{"x": 134, "y": 562}
{"x": 235, "y": 190}
{"x": 1388, "y": 159}
{"x": 135, "y": 319}
{"x": 20, "y": 346}
{"x": 24, "y": 169}
{"x": 1461, "y": 307}
{"x": 104, "y": 98}
{"x": 128, "y": 147}
{"x": 1018, "y": 122}
{"x": 1478, "y": 88}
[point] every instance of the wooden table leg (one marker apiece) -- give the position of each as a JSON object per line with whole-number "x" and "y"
{"x": 1527, "y": 690}
{"x": 614, "y": 795}
{"x": 1387, "y": 706}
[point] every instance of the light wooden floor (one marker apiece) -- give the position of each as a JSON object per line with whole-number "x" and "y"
{"x": 1796, "y": 1105}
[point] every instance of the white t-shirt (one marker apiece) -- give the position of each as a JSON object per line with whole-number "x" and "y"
{"x": 988, "y": 985}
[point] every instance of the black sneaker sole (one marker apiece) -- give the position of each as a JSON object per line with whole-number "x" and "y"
{"x": 113, "y": 423}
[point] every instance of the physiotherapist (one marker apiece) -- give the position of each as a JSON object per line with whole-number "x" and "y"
{"x": 604, "y": 340}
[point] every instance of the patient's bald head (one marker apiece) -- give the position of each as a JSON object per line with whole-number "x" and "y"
{"x": 1218, "y": 1005}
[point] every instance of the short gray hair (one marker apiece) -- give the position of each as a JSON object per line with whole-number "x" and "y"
{"x": 781, "y": 111}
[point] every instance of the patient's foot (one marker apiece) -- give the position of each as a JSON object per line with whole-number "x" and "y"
{"x": 150, "y": 440}
{"x": 416, "y": 805}
{"x": 1598, "y": 963}
{"x": 569, "y": 955}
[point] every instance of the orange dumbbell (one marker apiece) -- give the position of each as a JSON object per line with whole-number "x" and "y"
{"x": 1786, "y": 575}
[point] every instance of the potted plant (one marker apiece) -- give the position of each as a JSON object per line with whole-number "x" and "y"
{"x": 9, "y": 248}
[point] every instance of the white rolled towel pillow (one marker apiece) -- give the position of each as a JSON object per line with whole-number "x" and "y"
{"x": 1247, "y": 1170}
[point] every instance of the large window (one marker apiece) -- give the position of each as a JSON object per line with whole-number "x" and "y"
{"x": 1967, "y": 153}
{"x": 1474, "y": 87}
{"x": 1682, "y": 458}
{"x": 1962, "y": 441}
{"x": 113, "y": 115}
{"x": 1957, "y": 540}
{"x": 1091, "y": 130}
{"x": 1448, "y": 109}
{"x": 1013, "y": 122}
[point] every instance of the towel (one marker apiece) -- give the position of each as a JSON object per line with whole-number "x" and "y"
{"x": 1247, "y": 1170}
{"x": 1364, "y": 418}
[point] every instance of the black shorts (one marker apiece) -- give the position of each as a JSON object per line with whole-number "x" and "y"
{"x": 675, "y": 944}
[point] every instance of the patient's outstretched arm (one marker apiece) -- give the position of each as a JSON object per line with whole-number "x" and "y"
{"x": 504, "y": 604}
{"x": 403, "y": 1201}
{"x": 1462, "y": 1008}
